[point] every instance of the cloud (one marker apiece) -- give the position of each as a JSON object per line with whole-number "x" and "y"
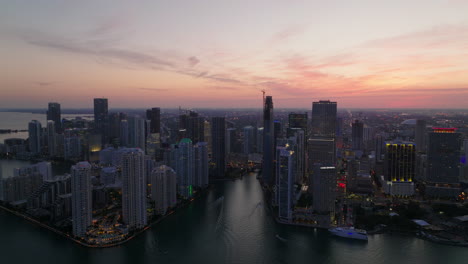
{"x": 288, "y": 33}
{"x": 44, "y": 83}
{"x": 152, "y": 89}
{"x": 99, "y": 49}
{"x": 227, "y": 88}
{"x": 192, "y": 61}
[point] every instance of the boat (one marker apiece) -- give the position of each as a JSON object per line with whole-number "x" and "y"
{"x": 349, "y": 232}
{"x": 280, "y": 238}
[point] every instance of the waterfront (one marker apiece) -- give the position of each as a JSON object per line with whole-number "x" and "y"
{"x": 19, "y": 121}
{"x": 228, "y": 225}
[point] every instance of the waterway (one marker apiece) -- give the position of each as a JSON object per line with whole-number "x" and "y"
{"x": 230, "y": 224}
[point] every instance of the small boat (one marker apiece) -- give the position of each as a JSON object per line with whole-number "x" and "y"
{"x": 349, "y": 232}
{"x": 280, "y": 238}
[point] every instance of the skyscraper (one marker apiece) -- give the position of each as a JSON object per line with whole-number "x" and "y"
{"x": 297, "y": 120}
{"x": 136, "y": 132}
{"x": 324, "y": 119}
{"x": 299, "y": 147}
{"x": 285, "y": 182}
{"x": 321, "y": 150}
{"x": 163, "y": 188}
{"x": 81, "y": 197}
{"x": 101, "y": 118}
{"x": 231, "y": 140}
{"x": 51, "y": 139}
{"x": 443, "y": 161}
{"x": 420, "y": 135}
{"x": 154, "y": 115}
{"x": 54, "y": 114}
{"x": 184, "y": 160}
{"x": 248, "y": 140}
{"x": 400, "y": 164}
{"x": 134, "y": 188}
{"x": 201, "y": 164}
{"x": 268, "y": 142}
{"x": 218, "y": 135}
{"x": 35, "y": 135}
{"x": 324, "y": 189}
{"x": 357, "y": 135}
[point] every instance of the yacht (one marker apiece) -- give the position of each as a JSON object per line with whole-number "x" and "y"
{"x": 349, "y": 232}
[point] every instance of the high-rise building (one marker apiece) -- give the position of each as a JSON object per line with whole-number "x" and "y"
{"x": 324, "y": 119}
{"x": 124, "y": 136}
{"x": 72, "y": 145}
{"x": 114, "y": 128}
{"x": 259, "y": 140}
{"x": 399, "y": 170}
{"x": 35, "y": 136}
{"x": 201, "y": 164}
{"x": 231, "y": 140}
{"x": 218, "y": 135}
{"x": 299, "y": 147}
{"x": 101, "y": 118}
{"x": 184, "y": 160}
{"x": 54, "y": 114}
{"x": 134, "y": 188}
{"x": 420, "y": 135}
{"x": 154, "y": 115}
{"x": 192, "y": 126}
{"x": 357, "y": 135}
{"x": 163, "y": 188}
{"x": 321, "y": 150}
{"x": 443, "y": 163}
{"x": 248, "y": 143}
{"x": 285, "y": 182}
{"x": 324, "y": 189}
{"x": 51, "y": 139}
{"x": 268, "y": 142}
{"x": 297, "y": 120}
{"x": 136, "y": 132}
{"x": 81, "y": 198}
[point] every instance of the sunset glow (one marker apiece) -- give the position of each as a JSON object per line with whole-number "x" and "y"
{"x": 223, "y": 53}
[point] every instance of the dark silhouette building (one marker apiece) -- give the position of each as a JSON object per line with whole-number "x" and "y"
{"x": 54, "y": 114}
{"x": 268, "y": 142}
{"x": 218, "y": 135}
{"x": 154, "y": 115}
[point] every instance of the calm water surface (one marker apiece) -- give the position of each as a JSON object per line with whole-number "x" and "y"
{"x": 228, "y": 225}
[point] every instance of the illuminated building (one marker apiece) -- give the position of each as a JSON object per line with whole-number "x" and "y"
{"x": 285, "y": 175}
{"x": 81, "y": 197}
{"x": 399, "y": 168}
{"x": 133, "y": 188}
{"x": 184, "y": 167}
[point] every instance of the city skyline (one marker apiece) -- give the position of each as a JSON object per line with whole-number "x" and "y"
{"x": 211, "y": 54}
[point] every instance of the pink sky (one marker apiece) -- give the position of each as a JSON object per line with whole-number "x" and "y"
{"x": 223, "y": 53}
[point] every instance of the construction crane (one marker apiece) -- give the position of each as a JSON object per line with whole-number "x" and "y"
{"x": 263, "y": 92}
